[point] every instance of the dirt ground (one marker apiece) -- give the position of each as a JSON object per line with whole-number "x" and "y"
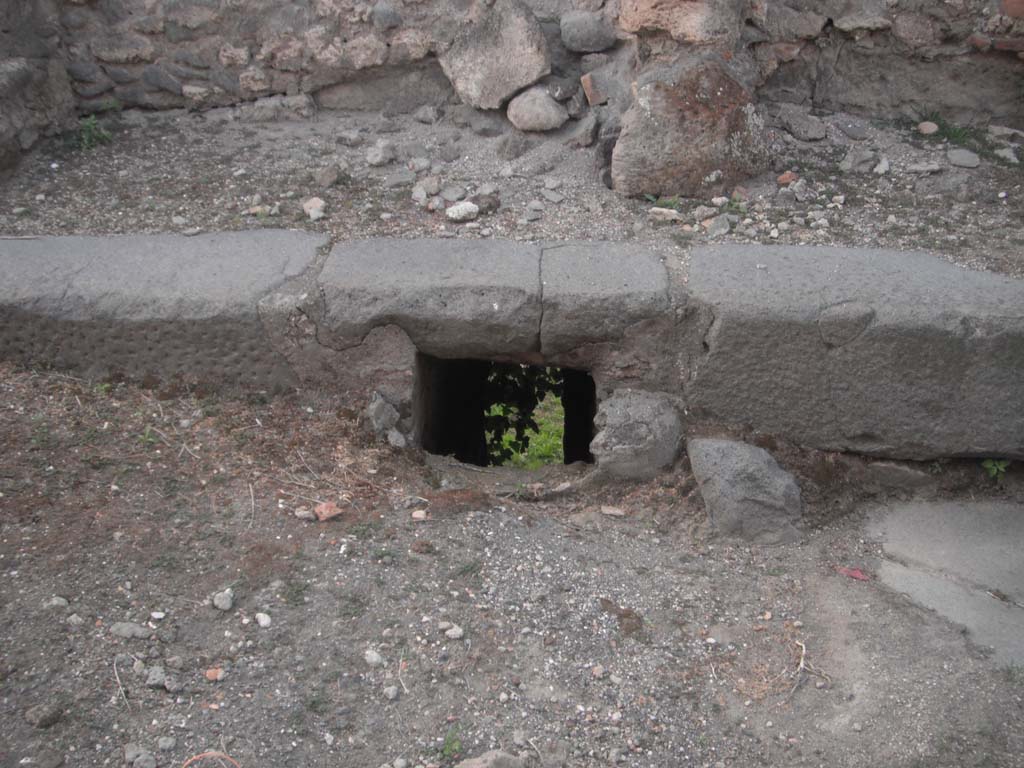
{"x": 597, "y": 626}
{"x": 217, "y": 170}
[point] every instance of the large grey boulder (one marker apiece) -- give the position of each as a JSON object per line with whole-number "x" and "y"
{"x": 877, "y": 352}
{"x": 640, "y": 434}
{"x": 692, "y": 129}
{"x": 497, "y": 54}
{"x": 746, "y": 493}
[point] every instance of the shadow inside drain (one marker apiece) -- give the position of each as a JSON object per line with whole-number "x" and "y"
{"x": 503, "y": 414}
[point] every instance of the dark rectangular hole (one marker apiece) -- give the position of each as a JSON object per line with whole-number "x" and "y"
{"x": 481, "y": 412}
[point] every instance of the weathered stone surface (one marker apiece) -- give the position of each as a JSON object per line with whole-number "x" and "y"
{"x": 536, "y": 110}
{"x": 123, "y": 49}
{"x": 454, "y": 298}
{"x": 35, "y": 91}
{"x": 746, "y": 493}
{"x": 44, "y": 715}
{"x": 149, "y": 304}
{"x": 586, "y": 31}
{"x": 841, "y": 323}
{"x": 801, "y": 124}
{"x": 595, "y": 291}
{"x": 499, "y": 52}
{"x": 891, "y": 476}
{"x": 397, "y": 90}
{"x": 301, "y": 106}
{"x": 892, "y": 354}
{"x": 688, "y": 121}
{"x": 691, "y": 21}
{"x": 639, "y": 434}
{"x": 493, "y": 759}
{"x": 129, "y": 630}
{"x": 780, "y": 22}
{"x": 882, "y": 83}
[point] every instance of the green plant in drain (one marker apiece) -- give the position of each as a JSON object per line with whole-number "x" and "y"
{"x": 511, "y": 398}
{"x": 995, "y": 468}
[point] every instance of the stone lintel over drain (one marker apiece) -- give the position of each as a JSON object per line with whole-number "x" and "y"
{"x": 490, "y": 298}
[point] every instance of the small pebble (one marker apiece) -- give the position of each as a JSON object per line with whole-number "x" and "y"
{"x": 263, "y": 620}
{"x": 224, "y": 601}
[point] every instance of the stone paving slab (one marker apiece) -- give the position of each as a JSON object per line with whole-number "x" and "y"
{"x": 963, "y": 560}
{"x": 897, "y": 354}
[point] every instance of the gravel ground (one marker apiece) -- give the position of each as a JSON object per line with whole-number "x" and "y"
{"x": 178, "y": 171}
{"x": 598, "y": 627}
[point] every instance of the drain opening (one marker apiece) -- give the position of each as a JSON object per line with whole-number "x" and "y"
{"x": 489, "y": 413}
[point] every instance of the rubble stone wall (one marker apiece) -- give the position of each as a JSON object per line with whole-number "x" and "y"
{"x": 651, "y": 72}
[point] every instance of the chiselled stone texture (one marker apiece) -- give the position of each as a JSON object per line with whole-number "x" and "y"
{"x": 152, "y": 305}
{"x": 877, "y": 352}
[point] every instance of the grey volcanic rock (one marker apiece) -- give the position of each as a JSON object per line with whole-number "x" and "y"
{"x": 891, "y": 354}
{"x": 802, "y": 124}
{"x": 639, "y": 434}
{"x": 454, "y": 298}
{"x": 496, "y": 55}
{"x": 149, "y": 304}
{"x": 536, "y": 110}
{"x": 745, "y": 492}
{"x": 129, "y": 630}
{"x": 586, "y": 32}
{"x": 593, "y": 292}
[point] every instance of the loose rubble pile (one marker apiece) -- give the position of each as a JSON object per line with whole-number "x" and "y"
{"x": 667, "y": 92}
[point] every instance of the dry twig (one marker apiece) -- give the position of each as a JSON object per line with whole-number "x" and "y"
{"x": 300, "y": 496}
{"x": 120, "y": 687}
{"x": 209, "y": 755}
{"x": 803, "y": 668}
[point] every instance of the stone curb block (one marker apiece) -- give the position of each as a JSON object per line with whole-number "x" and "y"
{"x": 149, "y": 305}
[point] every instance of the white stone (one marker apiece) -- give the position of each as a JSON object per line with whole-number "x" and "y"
{"x": 463, "y": 211}
{"x": 314, "y": 208}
